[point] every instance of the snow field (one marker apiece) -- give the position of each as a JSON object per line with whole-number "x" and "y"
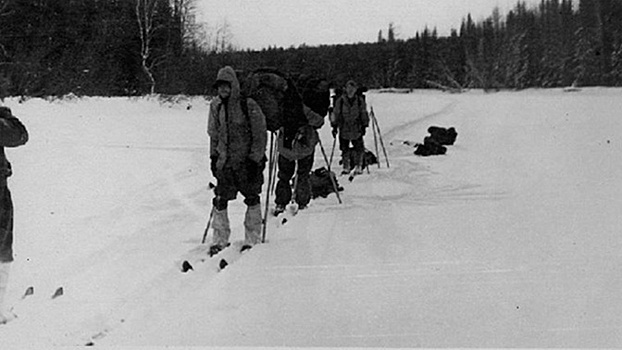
{"x": 511, "y": 239}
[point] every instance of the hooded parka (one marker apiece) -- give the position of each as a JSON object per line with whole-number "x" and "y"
{"x": 350, "y": 116}
{"x": 235, "y": 137}
{"x": 238, "y": 145}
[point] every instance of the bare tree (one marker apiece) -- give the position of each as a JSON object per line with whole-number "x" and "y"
{"x": 145, "y": 10}
{"x": 224, "y": 38}
{"x": 191, "y": 31}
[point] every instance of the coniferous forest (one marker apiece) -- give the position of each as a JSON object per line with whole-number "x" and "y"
{"x": 136, "y": 47}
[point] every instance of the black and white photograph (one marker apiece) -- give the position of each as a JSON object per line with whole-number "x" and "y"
{"x": 199, "y": 174}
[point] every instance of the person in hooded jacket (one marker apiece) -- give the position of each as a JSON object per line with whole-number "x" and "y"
{"x": 350, "y": 120}
{"x": 238, "y": 137}
{"x": 12, "y": 134}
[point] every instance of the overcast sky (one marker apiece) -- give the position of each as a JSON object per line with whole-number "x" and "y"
{"x": 258, "y": 24}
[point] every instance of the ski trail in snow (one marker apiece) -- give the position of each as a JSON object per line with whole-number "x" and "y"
{"x": 408, "y": 126}
{"x": 204, "y": 270}
{"x": 412, "y": 179}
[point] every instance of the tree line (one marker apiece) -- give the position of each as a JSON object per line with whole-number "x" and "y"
{"x": 135, "y": 47}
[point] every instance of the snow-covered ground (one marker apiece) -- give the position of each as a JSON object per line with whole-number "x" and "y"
{"x": 511, "y": 239}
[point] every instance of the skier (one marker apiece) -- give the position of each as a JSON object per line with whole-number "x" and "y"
{"x": 350, "y": 119}
{"x": 237, "y": 131}
{"x": 296, "y": 156}
{"x": 12, "y": 134}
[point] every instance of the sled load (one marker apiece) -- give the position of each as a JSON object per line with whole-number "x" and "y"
{"x": 436, "y": 142}
{"x": 321, "y": 183}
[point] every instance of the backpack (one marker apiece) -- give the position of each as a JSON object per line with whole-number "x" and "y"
{"x": 443, "y": 136}
{"x": 315, "y": 93}
{"x": 278, "y": 97}
{"x": 430, "y": 147}
{"x": 321, "y": 184}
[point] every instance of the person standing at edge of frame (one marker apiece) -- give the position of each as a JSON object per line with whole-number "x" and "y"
{"x": 12, "y": 134}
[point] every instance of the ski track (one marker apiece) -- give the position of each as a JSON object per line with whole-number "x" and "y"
{"x": 416, "y": 124}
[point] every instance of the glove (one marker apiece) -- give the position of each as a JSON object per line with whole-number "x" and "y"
{"x": 213, "y": 161}
{"x": 335, "y": 131}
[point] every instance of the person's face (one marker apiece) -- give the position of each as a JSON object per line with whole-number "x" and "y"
{"x": 350, "y": 90}
{"x": 224, "y": 90}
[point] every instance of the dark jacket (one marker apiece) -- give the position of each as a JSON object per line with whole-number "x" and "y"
{"x": 350, "y": 116}
{"x": 305, "y": 146}
{"x": 234, "y": 136}
{"x": 12, "y": 134}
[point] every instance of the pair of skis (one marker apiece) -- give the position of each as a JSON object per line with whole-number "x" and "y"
{"x": 30, "y": 291}
{"x": 225, "y": 256}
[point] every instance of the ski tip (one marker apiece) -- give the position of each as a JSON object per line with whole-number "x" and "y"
{"x": 58, "y": 293}
{"x": 186, "y": 266}
{"x": 29, "y": 291}
{"x": 223, "y": 264}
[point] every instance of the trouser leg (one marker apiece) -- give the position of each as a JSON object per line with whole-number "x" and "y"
{"x": 359, "y": 151}
{"x": 344, "y": 146}
{"x": 303, "y": 190}
{"x": 283, "y": 191}
{"x": 6, "y": 225}
{"x": 252, "y": 225}
{"x": 220, "y": 223}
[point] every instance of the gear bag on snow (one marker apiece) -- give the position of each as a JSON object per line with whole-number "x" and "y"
{"x": 321, "y": 184}
{"x": 435, "y": 143}
{"x": 443, "y": 136}
{"x": 369, "y": 158}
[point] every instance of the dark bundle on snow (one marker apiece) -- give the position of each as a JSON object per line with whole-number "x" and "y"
{"x": 321, "y": 185}
{"x": 369, "y": 158}
{"x": 435, "y": 143}
{"x": 442, "y": 135}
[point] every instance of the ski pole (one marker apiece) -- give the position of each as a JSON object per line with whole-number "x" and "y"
{"x": 209, "y": 220}
{"x": 295, "y": 189}
{"x": 373, "y": 128}
{"x": 330, "y": 174}
{"x": 269, "y": 187}
{"x": 332, "y": 152}
{"x": 384, "y": 150}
